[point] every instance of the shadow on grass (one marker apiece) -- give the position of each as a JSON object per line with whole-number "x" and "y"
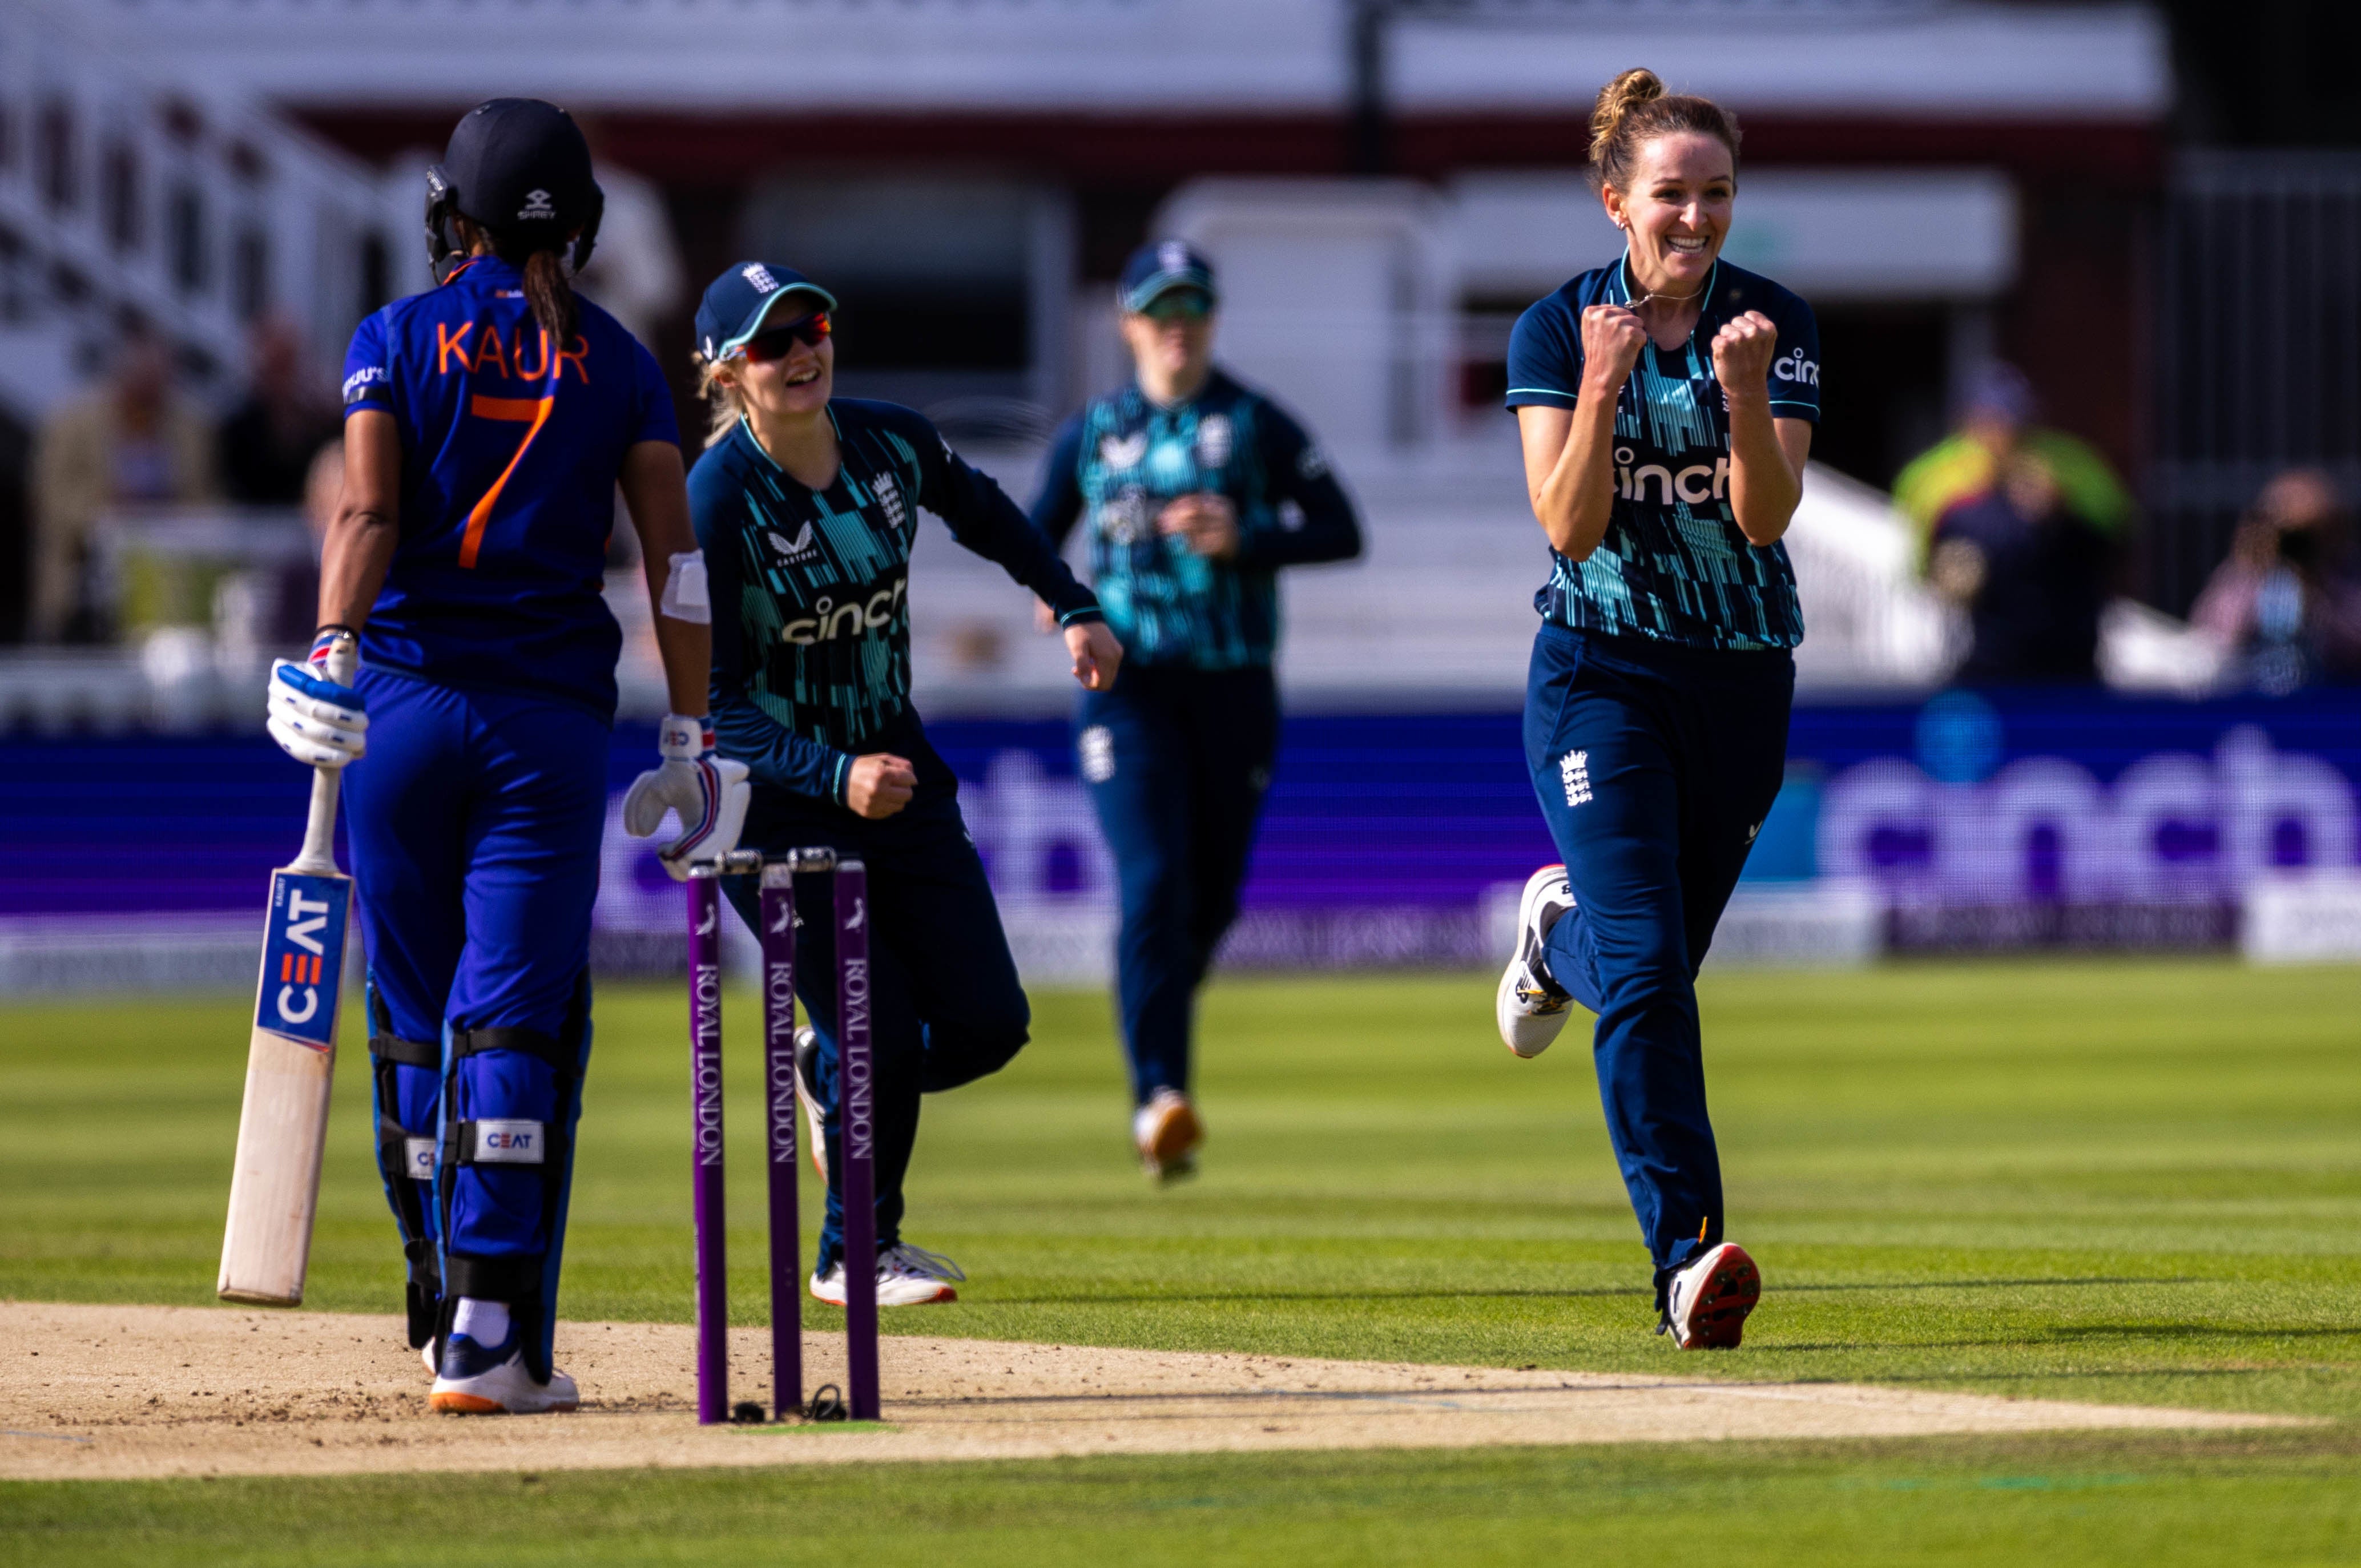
{"x": 1607, "y": 1292}
{"x": 1988, "y": 1284}
{"x": 1157, "y": 1298}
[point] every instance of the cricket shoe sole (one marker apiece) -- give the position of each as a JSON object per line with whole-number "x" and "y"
{"x": 1166, "y": 1133}
{"x": 504, "y": 1389}
{"x": 1705, "y": 1304}
{"x": 1530, "y": 1007}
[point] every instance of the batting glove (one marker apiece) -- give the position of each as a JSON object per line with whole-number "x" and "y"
{"x": 315, "y": 720}
{"x": 708, "y": 793}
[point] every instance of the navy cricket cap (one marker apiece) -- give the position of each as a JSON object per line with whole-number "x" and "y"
{"x": 737, "y": 304}
{"x": 1159, "y": 269}
{"x": 520, "y": 166}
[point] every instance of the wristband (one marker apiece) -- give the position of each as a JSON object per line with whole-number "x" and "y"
{"x": 325, "y": 641}
{"x": 684, "y": 740}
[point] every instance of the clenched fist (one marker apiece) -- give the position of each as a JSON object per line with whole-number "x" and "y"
{"x": 1611, "y": 340}
{"x": 880, "y": 785}
{"x": 1742, "y": 351}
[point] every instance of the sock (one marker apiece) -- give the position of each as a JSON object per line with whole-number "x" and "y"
{"x": 485, "y": 1322}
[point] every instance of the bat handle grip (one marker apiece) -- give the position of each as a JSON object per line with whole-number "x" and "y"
{"x": 319, "y": 856}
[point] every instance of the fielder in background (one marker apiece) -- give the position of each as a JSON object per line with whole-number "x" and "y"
{"x": 1197, "y": 490}
{"x": 806, "y": 506}
{"x": 487, "y": 424}
{"x": 1666, "y": 405}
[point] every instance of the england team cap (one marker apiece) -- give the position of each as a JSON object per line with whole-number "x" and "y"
{"x": 737, "y": 304}
{"x": 1159, "y": 269}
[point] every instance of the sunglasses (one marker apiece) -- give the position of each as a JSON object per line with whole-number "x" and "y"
{"x": 780, "y": 341}
{"x": 1179, "y": 305}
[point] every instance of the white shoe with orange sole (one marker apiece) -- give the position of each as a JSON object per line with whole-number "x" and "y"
{"x": 472, "y": 1383}
{"x": 1167, "y": 1134}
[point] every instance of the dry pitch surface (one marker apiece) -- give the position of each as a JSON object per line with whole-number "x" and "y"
{"x": 149, "y": 1391}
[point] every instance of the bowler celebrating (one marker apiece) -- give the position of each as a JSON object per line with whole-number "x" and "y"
{"x": 1666, "y": 406}
{"x": 1197, "y": 492}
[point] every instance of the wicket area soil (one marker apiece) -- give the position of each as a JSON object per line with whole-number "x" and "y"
{"x": 149, "y": 1391}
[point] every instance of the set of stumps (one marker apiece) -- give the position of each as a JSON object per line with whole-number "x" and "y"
{"x": 857, "y": 1135}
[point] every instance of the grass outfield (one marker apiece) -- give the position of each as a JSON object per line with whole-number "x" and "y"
{"x": 2156, "y": 1503}
{"x": 2115, "y": 1181}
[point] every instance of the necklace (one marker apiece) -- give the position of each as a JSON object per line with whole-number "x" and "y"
{"x": 1651, "y": 295}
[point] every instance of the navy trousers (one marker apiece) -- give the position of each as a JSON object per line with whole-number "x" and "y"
{"x": 1176, "y": 763}
{"x": 475, "y": 822}
{"x": 1655, "y": 765}
{"x": 946, "y": 1005}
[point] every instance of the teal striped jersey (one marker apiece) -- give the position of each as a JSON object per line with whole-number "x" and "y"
{"x": 810, "y": 588}
{"x": 1673, "y": 565}
{"x": 1122, "y": 460}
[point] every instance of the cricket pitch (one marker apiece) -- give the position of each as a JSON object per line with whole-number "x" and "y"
{"x": 135, "y": 1392}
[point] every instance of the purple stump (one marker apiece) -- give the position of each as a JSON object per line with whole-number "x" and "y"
{"x": 856, "y": 1097}
{"x": 779, "y": 1099}
{"x": 705, "y": 1102}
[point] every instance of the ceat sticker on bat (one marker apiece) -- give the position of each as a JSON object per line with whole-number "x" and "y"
{"x": 303, "y": 958}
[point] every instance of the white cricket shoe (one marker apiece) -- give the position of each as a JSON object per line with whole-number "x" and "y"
{"x": 478, "y": 1382}
{"x": 1166, "y": 1133}
{"x": 1532, "y": 1006}
{"x": 815, "y": 1128}
{"x": 907, "y": 1276}
{"x": 426, "y": 1354}
{"x": 1705, "y": 1304}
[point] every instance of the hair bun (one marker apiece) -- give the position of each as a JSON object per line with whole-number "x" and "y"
{"x": 1626, "y": 92}
{"x": 1634, "y": 109}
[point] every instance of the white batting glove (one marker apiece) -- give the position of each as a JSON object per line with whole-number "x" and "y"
{"x": 708, "y": 793}
{"x": 317, "y": 722}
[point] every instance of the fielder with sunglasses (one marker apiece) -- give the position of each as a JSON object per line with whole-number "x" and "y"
{"x": 1197, "y": 492}
{"x": 805, "y": 507}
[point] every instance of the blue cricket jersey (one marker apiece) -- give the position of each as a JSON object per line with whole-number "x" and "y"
{"x": 1673, "y": 565}
{"x": 511, "y": 449}
{"x": 1122, "y": 458}
{"x": 811, "y": 609}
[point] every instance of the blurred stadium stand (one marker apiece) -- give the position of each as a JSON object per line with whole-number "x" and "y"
{"x": 1386, "y": 183}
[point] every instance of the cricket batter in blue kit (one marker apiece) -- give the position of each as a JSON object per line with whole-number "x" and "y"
{"x": 1666, "y": 406}
{"x": 1196, "y": 491}
{"x": 807, "y": 506}
{"x": 487, "y": 424}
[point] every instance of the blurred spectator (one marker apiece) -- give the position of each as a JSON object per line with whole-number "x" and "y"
{"x": 2030, "y": 572}
{"x": 267, "y": 444}
{"x": 298, "y": 585}
{"x": 2020, "y": 526}
{"x": 1995, "y": 425}
{"x": 2286, "y": 605}
{"x": 133, "y": 441}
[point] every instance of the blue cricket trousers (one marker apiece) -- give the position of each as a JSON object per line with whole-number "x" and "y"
{"x": 475, "y": 822}
{"x": 1655, "y": 765}
{"x": 1177, "y": 761}
{"x": 946, "y": 1005}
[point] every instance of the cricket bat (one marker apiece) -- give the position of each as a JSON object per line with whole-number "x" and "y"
{"x": 274, "y": 1192}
